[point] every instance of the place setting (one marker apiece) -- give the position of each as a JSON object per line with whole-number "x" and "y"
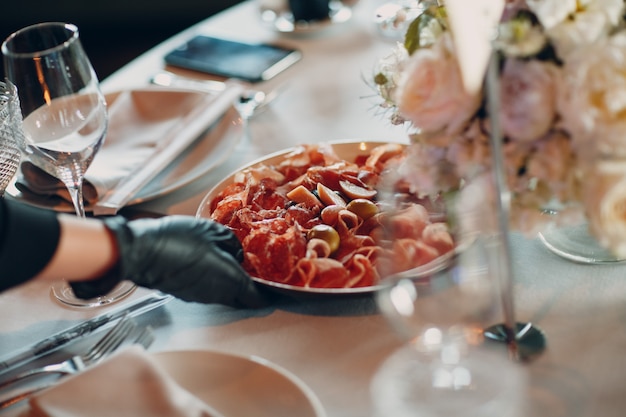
{"x": 195, "y": 131}
{"x": 172, "y": 383}
{"x": 136, "y": 145}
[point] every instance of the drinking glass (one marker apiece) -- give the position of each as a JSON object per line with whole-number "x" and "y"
{"x": 10, "y": 134}
{"x": 64, "y": 115}
{"x": 445, "y": 368}
{"x": 304, "y": 16}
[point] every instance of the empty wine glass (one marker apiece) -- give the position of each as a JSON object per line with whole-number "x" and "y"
{"x": 10, "y": 134}
{"x": 64, "y": 115}
{"x": 445, "y": 369}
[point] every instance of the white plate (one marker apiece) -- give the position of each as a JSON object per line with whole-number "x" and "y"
{"x": 348, "y": 150}
{"x": 239, "y": 386}
{"x": 205, "y": 154}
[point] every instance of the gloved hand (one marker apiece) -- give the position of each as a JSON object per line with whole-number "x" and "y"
{"x": 191, "y": 259}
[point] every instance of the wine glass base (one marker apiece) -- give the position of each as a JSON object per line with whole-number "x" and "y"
{"x": 482, "y": 382}
{"x": 576, "y": 244}
{"x": 530, "y": 340}
{"x": 64, "y": 294}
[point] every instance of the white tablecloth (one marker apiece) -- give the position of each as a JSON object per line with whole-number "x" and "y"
{"x": 335, "y": 345}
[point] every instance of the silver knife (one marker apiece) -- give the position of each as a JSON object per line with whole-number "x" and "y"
{"x": 59, "y": 340}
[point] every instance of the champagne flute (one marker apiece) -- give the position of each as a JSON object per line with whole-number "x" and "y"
{"x": 64, "y": 115}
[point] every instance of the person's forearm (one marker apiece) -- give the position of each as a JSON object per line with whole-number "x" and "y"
{"x": 86, "y": 250}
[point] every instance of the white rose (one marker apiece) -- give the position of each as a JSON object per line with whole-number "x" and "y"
{"x": 552, "y": 12}
{"x": 592, "y": 97}
{"x": 605, "y": 203}
{"x": 587, "y": 26}
{"x": 430, "y": 93}
{"x": 528, "y": 99}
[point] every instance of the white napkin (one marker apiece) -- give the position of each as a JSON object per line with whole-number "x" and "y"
{"x": 142, "y": 122}
{"x": 129, "y": 384}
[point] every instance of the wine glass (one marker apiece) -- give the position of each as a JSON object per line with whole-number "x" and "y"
{"x": 64, "y": 115}
{"x": 445, "y": 368}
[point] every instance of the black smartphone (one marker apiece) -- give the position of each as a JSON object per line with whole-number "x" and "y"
{"x": 233, "y": 59}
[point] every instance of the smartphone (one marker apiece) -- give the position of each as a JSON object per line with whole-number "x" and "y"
{"x": 233, "y": 59}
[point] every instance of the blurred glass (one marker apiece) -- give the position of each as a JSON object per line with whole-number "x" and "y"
{"x": 304, "y": 15}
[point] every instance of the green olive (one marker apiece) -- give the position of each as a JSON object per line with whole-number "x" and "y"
{"x": 326, "y": 233}
{"x": 363, "y": 208}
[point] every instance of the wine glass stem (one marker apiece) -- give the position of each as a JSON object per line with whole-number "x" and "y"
{"x": 76, "y": 193}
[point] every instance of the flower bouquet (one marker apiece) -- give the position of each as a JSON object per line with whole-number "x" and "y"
{"x": 562, "y": 69}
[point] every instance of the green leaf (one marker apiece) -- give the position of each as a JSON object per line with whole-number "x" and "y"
{"x": 412, "y": 35}
{"x": 433, "y": 19}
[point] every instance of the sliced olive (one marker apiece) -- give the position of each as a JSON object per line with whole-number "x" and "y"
{"x": 363, "y": 208}
{"x": 326, "y": 233}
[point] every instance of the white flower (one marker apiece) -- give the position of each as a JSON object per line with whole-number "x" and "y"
{"x": 552, "y": 12}
{"x": 430, "y": 93}
{"x": 586, "y": 27}
{"x": 592, "y": 100}
{"x": 390, "y": 69}
{"x": 528, "y": 99}
{"x": 520, "y": 38}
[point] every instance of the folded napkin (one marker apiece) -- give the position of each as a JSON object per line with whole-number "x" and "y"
{"x": 142, "y": 124}
{"x": 129, "y": 384}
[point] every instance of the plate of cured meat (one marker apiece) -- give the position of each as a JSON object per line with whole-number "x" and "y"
{"x": 319, "y": 219}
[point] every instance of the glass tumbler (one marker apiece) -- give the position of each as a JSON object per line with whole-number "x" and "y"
{"x": 10, "y": 134}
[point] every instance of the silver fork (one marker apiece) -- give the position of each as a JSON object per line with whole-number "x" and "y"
{"x": 144, "y": 338}
{"x": 107, "y": 344}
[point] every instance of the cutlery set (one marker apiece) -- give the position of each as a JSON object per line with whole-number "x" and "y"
{"x": 124, "y": 332}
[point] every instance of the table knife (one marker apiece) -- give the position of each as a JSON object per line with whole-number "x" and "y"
{"x": 59, "y": 340}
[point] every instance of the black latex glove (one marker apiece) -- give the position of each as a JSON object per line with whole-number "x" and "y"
{"x": 192, "y": 259}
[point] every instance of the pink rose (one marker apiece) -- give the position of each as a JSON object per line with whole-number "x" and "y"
{"x": 430, "y": 93}
{"x": 528, "y": 94}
